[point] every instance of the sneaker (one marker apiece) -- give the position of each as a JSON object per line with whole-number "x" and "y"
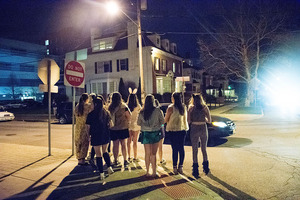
{"x": 126, "y": 163}
{"x": 175, "y": 171}
{"x": 102, "y": 176}
{"x": 110, "y": 170}
{"x": 136, "y": 160}
{"x": 163, "y": 162}
{"x": 180, "y": 171}
{"x": 130, "y": 160}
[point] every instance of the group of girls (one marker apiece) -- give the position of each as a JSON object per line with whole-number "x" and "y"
{"x": 118, "y": 121}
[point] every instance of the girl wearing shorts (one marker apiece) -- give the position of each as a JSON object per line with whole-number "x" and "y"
{"x": 119, "y": 132}
{"x": 150, "y": 119}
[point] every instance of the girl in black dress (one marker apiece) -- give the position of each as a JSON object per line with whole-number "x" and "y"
{"x": 98, "y": 124}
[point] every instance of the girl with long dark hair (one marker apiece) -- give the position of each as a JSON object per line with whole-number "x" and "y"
{"x": 177, "y": 125}
{"x": 119, "y": 132}
{"x": 151, "y": 120}
{"x": 98, "y": 122}
{"x": 134, "y": 129}
{"x": 81, "y": 136}
{"x": 198, "y": 116}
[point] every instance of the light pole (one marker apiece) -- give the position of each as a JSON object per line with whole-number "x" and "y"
{"x": 111, "y": 6}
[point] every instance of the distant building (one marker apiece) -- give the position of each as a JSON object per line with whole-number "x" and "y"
{"x": 195, "y": 74}
{"x": 112, "y": 55}
{"x": 18, "y": 70}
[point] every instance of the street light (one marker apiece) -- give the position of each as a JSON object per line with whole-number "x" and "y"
{"x": 113, "y": 8}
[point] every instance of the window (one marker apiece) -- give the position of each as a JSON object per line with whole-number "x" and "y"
{"x": 179, "y": 68}
{"x": 157, "y": 41}
{"x": 103, "y": 87}
{"x": 122, "y": 64}
{"x": 5, "y": 66}
{"x": 164, "y": 65}
{"x": 26, "y": 68}
{"x": 174, "y": 67}
{"x": 156, "y": 64}
{"x": 102, "y": 45}
{"x": 103, "y": 67}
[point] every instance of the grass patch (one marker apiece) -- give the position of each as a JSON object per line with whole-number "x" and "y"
{"x": 244, "y": 110}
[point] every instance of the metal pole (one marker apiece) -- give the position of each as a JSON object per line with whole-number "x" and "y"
{"x": 49, "y": 105}
{"x": 73, "y": 121}
{"x": 73, "y": 115}
{"x": 140, "y": 50}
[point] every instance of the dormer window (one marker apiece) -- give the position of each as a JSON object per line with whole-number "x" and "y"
{"x": 102, "y": 45}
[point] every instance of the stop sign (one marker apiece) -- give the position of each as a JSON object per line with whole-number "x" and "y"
{"x": 42, "y": 71}
{"x": 74, "y": 74}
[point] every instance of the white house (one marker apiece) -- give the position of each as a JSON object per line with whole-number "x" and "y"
{"x": 114, "y": 55}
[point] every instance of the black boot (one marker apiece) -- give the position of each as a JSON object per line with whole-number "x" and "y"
{"x": 195, "y": 170}
{"x": 205, "y": 167}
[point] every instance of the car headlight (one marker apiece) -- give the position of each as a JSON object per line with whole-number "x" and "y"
{"x": 219, "y": 124}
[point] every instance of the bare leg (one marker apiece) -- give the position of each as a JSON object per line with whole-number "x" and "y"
{"x": 129, "y": 143}
{"x": 160, "y": 149}
{"x": 147, "y": 148}
{"x": 135, "y": 140}
{"x": 116, "y": 149}
{"x": 124, "y": 150}
{"x": 154, "y": 148}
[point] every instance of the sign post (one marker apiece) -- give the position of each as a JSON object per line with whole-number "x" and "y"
{"x": 48, "y": 72}
{"x": 74, "y": 76}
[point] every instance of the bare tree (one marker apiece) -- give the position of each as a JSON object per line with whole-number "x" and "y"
{"x": 242, "y": 36}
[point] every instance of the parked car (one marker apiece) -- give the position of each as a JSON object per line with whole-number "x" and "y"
{"x": 15, "y": 105}
{"x": 6, "y": 116}
{"x": 220, "y": 126}
{"x": 64, "y": 112}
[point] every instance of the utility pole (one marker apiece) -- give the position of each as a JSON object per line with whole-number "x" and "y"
{"x": 140, "y": 50}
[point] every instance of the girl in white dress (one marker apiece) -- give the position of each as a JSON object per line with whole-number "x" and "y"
{"x": 134, "y": 130}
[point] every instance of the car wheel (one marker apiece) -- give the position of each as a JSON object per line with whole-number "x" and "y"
{"x": 62, "y": 120}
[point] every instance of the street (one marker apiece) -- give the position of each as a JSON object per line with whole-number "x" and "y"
{"x": 261, "y": 161}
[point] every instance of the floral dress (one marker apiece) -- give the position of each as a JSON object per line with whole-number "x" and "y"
{"x": 81, "y": 135}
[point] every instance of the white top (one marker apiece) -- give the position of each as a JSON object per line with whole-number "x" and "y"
{"x": 177, "y": 122}
{"x": 133, "y": 126}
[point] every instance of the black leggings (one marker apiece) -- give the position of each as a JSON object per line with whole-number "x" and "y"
{"x": 177, "y": 143}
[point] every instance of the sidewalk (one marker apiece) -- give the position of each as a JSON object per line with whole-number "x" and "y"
{"x": 235, "y": 117}
{"x": 28, "y": 173}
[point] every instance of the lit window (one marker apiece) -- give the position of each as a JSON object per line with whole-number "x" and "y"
{"x": 102, "y": 45}
{"x": 174, "y": 67}
{"x": 46, "y": 42}
{"x": 156, "y": 63}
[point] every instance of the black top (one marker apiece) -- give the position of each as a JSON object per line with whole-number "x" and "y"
{"x": 98, "y": 128}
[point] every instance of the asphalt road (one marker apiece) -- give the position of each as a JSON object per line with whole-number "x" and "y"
{"x": 261, "y": 161}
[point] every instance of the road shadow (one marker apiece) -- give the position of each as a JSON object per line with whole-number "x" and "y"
{"x": 234, "y": 194}
{"x": 38, "y": 187}
{"x": 236, "y": 142}
{"x": 84, "y": 184}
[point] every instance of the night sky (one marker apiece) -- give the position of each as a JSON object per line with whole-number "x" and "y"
{"x": 33, "y": 20}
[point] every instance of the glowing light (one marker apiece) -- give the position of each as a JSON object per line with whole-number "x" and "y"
{"x": 112, "y": 7}
{"x": 219, "y": 124}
